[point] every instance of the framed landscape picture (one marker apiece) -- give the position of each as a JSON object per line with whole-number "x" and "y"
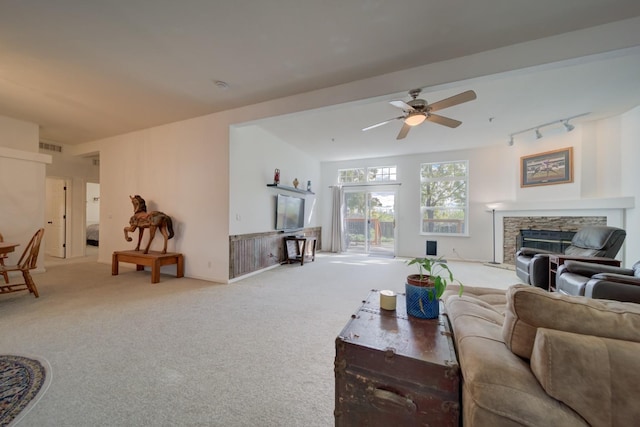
{"x": 552, "y": 167}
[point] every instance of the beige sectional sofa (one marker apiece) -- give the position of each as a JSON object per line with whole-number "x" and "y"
{"x": 534, "y": 358}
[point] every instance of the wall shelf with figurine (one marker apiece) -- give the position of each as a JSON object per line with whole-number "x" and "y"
{"x": 287, "y": 188}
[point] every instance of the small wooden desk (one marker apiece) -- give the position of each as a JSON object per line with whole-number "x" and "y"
{"x": 153, "y": 259}
{"x": 556, "y": 260}
{"x": 300, "y": 245}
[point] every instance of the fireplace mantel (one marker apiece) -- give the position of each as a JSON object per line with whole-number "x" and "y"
{"x": 563, "y": 205}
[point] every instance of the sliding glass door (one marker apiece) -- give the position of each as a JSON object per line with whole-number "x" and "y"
{"x": 369, "y": 221}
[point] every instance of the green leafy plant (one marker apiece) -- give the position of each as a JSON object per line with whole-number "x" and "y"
{"x": 434, "y": 273}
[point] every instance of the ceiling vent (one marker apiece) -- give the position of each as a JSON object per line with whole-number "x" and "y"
{"x": 51, "y": 147}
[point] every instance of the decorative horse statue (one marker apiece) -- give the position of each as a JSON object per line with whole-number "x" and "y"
{"x": 152, "y": 220}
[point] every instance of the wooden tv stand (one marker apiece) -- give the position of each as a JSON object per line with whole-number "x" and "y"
{"x": 153, "y": 259}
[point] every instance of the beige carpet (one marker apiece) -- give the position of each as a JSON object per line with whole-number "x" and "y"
{"x": 184, "y": 352}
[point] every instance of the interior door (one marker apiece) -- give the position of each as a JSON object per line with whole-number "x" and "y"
{"x": 370, "y": 222}
{"x": 55, "y": 217}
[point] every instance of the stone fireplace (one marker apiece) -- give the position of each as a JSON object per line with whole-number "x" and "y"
{"x": 555, "y": 215}
{"x": 512, "y": 227}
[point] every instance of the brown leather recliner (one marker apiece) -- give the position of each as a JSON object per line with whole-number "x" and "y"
{"x": 599, "y": 281}
{"x": 532, "y": 265}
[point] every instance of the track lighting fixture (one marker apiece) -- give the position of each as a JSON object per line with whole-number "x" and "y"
{"x": 536, "y": 129}
{"x": 568, "y": 126}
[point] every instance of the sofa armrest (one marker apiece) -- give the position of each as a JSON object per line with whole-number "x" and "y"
{"x": 618, "y": 278}
{"x": 588, "y": 269}
{"x": 605, "y": 289}
{"x": 532, "y": 251}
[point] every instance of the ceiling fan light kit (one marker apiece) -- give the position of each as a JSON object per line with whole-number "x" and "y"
{"x": 565, "y": 122}
{"x": 415, "y": 119}
{"x": 416, "y": 111}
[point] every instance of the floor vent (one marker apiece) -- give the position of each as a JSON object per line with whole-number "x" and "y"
{"x": 51, "y": 147}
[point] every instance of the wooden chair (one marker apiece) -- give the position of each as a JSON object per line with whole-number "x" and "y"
{"x": 27, "y": 262}
{"x": 2, "y": 258}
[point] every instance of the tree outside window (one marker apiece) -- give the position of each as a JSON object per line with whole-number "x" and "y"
{"x": 443, "y": 197}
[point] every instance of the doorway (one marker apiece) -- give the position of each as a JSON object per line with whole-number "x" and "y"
{"x": 92, "y": 218}
{"x": 369, "y": 221}
{"x": 56, "y": 217}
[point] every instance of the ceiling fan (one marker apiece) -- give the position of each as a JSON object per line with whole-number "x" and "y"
{"x": 417, "y": 111}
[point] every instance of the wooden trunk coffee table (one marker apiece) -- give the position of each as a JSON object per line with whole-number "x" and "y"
{"x": 395, "y": 370}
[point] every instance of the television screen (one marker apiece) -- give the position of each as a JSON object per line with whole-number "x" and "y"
{"x": 289, "y": 212}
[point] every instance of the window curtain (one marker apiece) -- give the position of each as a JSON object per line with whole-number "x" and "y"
{"x": 337, "y": 231}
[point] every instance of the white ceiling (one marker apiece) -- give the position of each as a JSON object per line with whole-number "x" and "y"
{"x": 87, "y": 70}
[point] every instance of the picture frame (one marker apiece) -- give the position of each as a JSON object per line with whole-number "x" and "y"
{"x": 548, "y": 168}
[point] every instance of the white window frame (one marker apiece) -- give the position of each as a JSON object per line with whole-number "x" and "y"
{"x": 465, "y": 208}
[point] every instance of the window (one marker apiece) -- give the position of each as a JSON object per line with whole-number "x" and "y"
{"x": 381, "y": 174}
{"x": 351, "y": 175}
{"x": 373, "y": 174}
{"x": 443, "y": 197}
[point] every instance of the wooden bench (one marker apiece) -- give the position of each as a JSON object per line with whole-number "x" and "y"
{"x": 153, "y": 259}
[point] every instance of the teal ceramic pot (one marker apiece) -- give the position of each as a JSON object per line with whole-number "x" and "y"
{"x": 422, "y": 302}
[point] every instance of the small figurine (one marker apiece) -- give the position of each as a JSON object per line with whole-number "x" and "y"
{"x": 295, "y": 182}
{"x": 276, "y": 176}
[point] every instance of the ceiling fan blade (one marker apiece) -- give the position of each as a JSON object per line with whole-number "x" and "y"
{"x": 404, "y": 131}
{"x": 382, "y": 123}
{"x": 454, "y": 100}
{"x": 441, "y": 120}
{"x": 402, "y": 105}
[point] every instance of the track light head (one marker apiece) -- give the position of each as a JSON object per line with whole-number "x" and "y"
{"x": 569, "y": 127}
{"x": 510, "y": 140}
{"x": 538, "y": 134}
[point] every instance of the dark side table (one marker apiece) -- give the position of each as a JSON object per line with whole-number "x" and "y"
{"x": 296, "y": 248}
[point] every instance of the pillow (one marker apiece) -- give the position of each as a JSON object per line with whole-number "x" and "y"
{"x": 593, "y": 376}
{"x": 530, "y": 308}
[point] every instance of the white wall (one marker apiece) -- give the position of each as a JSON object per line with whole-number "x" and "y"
{"x": 180, "y": 169}
{"x": 495, "y": 176}
{"x": 486, "y": 183}
{"x": 254, "y": 155}
{"x": 19, "y": 135}
{"x": 630, "y": 171}
{"x": 22, "y": 184}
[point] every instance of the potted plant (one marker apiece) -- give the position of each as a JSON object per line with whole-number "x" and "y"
{"x": 423, "y": 290}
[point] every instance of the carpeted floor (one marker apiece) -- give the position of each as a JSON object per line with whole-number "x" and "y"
{"x": 185, "y": 352}
{"x": 22, "y": 380}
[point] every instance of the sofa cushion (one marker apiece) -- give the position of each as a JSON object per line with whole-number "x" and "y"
{"x": 498, "y": 386}
{"x": 530, "y": 308}
{"x": 491, "y": 298}
{"x": 594, "y": 376}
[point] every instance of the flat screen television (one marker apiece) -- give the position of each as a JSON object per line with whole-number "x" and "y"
{"x": 289, "y": 212}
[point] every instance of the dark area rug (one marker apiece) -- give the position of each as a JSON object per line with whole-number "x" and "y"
{"x": 21, "y": 379}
